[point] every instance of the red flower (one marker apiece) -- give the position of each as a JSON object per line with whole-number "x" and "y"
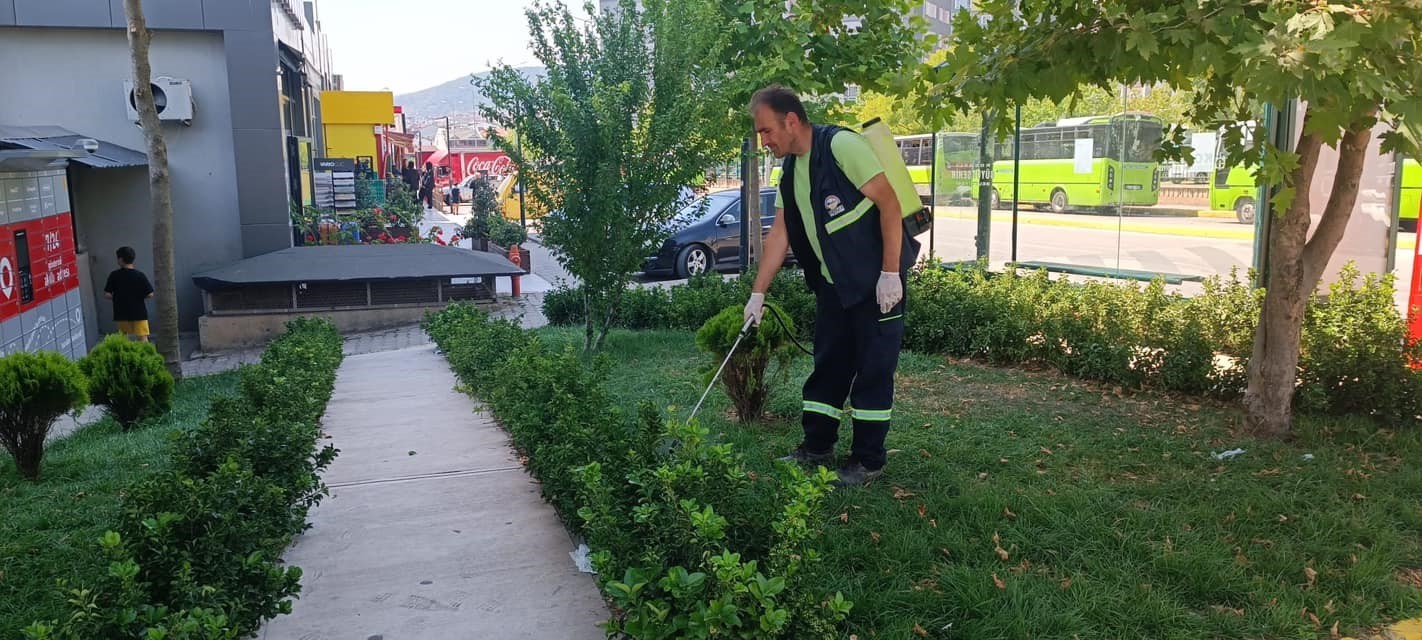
{"x": 379, "y": 211}
{"x": 394, "y": 218}
{"x": 310, "y": 238}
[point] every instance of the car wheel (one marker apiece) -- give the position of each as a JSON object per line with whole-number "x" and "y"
{"x": 1059, "y": 201}
{"x": 1244, "y": 210}
{"x": 693, "y": 261}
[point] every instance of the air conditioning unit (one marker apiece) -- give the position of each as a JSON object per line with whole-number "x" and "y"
{"x": 172, "y": 96}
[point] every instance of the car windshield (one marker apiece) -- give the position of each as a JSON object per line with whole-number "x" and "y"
{"x": 705, "y": 208}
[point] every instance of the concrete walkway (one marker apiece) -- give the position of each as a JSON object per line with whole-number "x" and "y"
{"x": 433, "y": 529}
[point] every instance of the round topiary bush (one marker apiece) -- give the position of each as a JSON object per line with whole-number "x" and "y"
{"x": 745, "y": 378}
{"x": 35, "y": 389}
{"x": 129, "y": 380}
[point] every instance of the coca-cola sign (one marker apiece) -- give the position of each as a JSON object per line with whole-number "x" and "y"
{"x": 495, "y": 164}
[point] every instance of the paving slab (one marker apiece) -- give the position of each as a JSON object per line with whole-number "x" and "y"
{"x": 451, "y": 542}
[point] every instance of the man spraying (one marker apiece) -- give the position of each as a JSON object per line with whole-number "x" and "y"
{"x": 839, "y": 213}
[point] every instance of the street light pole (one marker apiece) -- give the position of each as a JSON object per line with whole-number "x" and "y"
{"x": 518, "y": 143}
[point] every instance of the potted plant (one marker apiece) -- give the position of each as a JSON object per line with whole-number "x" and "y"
{"x": 510, "y": 235}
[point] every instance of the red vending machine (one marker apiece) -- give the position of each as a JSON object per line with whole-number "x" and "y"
{"x": 40, "y": 303}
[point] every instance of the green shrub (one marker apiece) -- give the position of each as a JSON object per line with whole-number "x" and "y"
{"x": 505, "y": 232}
{"x": 129, "y": 379}
{"x": 1356, "y": 353}
{"x": 563, "y": 306}
{"x": 695, "y": 546}
{"x": 688, "y": 306}
{"x": 120, "y": 608}
{"x": 744, "y": 378}
{"x": 35, "y": 389}
{"x": 197, "y": 551}
{"x": 702, "y": 297}
{"x": 659, "y": 502}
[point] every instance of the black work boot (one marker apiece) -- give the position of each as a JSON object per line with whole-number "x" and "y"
{"x": 854, "y": 474}
{"x": 806, "y": 458}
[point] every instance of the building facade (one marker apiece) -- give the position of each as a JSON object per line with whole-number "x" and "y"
{"x": 249, "y": 71}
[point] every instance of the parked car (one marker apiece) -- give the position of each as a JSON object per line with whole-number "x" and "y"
{"x": 706, "y": 235}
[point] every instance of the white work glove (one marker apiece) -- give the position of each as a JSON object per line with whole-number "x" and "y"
{"x": 889, "y": 292}
{"x": 755, "y": 308}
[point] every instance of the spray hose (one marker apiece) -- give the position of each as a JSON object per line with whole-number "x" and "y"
{"x": 745, "y": 330}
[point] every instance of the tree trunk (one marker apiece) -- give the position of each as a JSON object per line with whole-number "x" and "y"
{"x": 159, "y": 189}
{"x": 1296, "y": 265}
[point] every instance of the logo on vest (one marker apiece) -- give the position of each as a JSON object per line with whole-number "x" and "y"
{"x": 833, "y": 206}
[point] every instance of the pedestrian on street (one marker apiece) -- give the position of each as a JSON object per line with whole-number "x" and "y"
{"x": 836, "y": 209}
{"x": 411, "y": 177}
{"x": 130, "y": 290}
{"x": 427, "y": 186}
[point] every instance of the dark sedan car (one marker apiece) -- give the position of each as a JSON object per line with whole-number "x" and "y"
{"x": 707, "y": 235}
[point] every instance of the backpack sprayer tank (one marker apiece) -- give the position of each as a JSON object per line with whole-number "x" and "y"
{"x": 917, "y": 218}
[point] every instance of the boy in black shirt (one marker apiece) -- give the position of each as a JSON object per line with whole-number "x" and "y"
{"x": 129, "y": 289}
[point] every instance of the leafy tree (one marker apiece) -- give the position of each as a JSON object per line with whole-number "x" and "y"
{"x": 633, "y": 106}
{"x": 1353, "y": 65}
{"x": 484, "y": 206}
{"x": 818, "y": 49}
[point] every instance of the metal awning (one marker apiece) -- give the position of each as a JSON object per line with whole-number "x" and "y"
{"x": 58, "y": 143}
{"x": 357, "y": 263}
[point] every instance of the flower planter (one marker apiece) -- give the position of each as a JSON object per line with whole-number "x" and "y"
{"x": 525, "y": 258}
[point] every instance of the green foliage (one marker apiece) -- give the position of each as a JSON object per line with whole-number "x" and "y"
{"x": 121, "y": 609}
{"x": 484, "y": 209}
{"x": 197, "y": 550}
{"x": 1342, "y": 60}
{"x": 609, "y": 136}
{"x": 807, "y": 47}
{"x": 129, "y": 379}
{"x": 689, "y": 305}
{"x": 1355, "y": 359}
{"x": 1349, "y": 67}
{"x": 658, "y": 501}
{"x": 745, "y": 378}
{"x": 505, "y": 232}
{"x": 35, "y": 389}
{"x": 1096, "y": 500}
{"x": 1356, "y": 353}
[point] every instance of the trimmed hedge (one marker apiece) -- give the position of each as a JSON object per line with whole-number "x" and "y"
{"x": 1354, "y": 360}
{"x": 197, "y": 551}
{"x": 35, "y": 390}
{"x": 128, "y": 379}
{"x": 688, "y": 306}
{"x": 1354, "y": 354}
{"x": 678, "y": 525}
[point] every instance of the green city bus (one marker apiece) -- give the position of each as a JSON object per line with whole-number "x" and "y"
{"x": 1410, "y": 191}
{"x": 1234, "y": 189}
{"x": 1121, "y": 168}
{"x": 957, "y": 155}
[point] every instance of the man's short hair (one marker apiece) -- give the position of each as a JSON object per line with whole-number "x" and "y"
{"x": 781, "y": 100}
{"x": 126, "y": 255}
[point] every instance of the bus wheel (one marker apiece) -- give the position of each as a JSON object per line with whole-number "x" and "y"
{"x": 996, "y": 199}
{"x": 1059, "y": 201}
{"x": 1244, "y": 210}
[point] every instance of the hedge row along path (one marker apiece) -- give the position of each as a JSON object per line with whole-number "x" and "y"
{"x": 433, "y": 529}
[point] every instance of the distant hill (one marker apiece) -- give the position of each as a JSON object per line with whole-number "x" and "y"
{"x": 456, "y": 99}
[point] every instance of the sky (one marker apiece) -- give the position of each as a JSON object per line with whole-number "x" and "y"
{"x": 438, "y": 40}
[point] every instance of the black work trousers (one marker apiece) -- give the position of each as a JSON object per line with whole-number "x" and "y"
{"x": 856, "y": 354}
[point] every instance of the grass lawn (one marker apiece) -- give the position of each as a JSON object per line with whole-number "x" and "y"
{"x": 49, "y": 529}
{"x": 1021, "y": 504}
